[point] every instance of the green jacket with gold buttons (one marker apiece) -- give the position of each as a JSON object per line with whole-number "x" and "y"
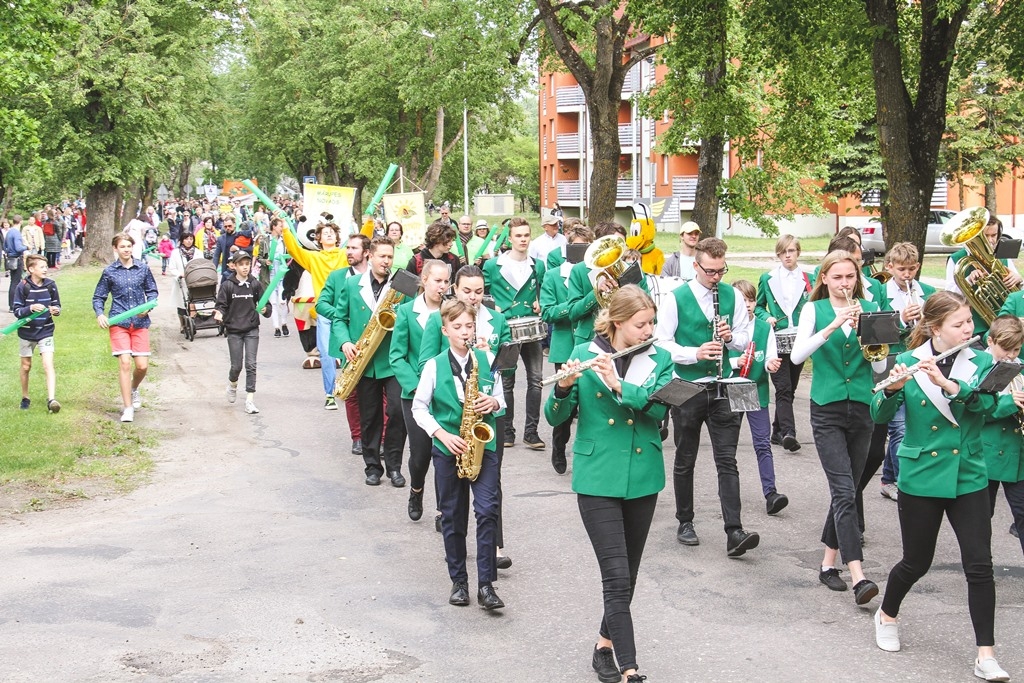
{"x": 1002, "y": 440}
{"x": 617, "y": 449}
{"x": 942, "y": 453}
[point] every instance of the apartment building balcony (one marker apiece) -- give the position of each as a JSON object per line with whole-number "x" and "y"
{"x": 624, "y": 191}
{"x": 568, "y": 145}
{"x": 569, "y": 191}
{"x": 569, "y": 98}
{"x": 632, "y": 83}
{"x": 684, "y": 189}
{"x": 627, "y": 138}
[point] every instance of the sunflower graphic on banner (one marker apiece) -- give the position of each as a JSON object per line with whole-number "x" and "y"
{"x": 409, "y": 209}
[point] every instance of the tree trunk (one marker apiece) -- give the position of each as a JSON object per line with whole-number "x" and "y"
{"x": 604, "y": 136}
{"x": 710, "y": 162}
{"x": 104, "y": 222}
{"x": 990, "y": 197}
{"x": 432, "y": 175}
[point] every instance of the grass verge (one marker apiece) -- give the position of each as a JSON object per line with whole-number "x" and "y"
{"x": 83, "y": 450}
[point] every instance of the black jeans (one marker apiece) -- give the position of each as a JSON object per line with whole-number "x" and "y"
{"x": 244, "y": 345}
{"x": 724, "y": 429}
{"x": 560, "y": 433}
{"x": 16, "y": 276}
{"x": 876, "y": 456}
{"x": 453, "y": 493}
{"x": 1015, "y": 498}
{"x": 420, "y": 446}
{"x": 371, "y": 392}
{"x": 920, "y": 519}
{"x": 533, "y": 358}
{"x": 785, "y": 379}
{"x": 842, "y": 432}
{"x": 618, "y": 531}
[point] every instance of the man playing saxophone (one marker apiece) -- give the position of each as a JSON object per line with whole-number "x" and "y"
{"x": 351, "y": 303}
{"x": 440, "y": 409}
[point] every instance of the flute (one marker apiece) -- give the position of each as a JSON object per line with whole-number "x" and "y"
{"x": 562, "y": 374}
{"x": 885, "y": 383}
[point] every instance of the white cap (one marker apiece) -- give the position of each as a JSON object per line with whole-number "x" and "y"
{"x": 688, "y": 227}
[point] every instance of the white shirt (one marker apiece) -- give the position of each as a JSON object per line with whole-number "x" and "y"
{"x": 515, "y": 272}
{"x": 687, "y": 270}
{"x": 541, "y": 246}
{"x": 808, "y": 341}
{"x": 428, "y": 382}
{"x": 668, "y": 323}
{"x": 793, "y": 287}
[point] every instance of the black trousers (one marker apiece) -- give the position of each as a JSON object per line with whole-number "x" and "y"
{"x": 16, "y": 276}
{"x": 724, "y": 429}
{"x": 371, "y": 392}
{"x": 1015, "y": 498}
{"x": 420, "y": 446}
{"x": 876, "y": 456}
{"x": 453, "y": 493}
{"x": 618, "y": 531}
{"x": 920, "y": 519}
{"x": 785, "y": 379}
{"x": 560, "y": 434}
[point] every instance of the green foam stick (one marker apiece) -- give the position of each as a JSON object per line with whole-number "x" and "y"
{"x": 274, "y": 208}
{"x": 487, "y": 240}
{"x": 274, "y": 282}
{"x": 502, "y": 236}
{"x": 131, "y": 313}
{"x": 21, "y": 322}
{"x": 381, "y": 189}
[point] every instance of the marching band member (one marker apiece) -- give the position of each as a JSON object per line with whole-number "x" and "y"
{"x": 763, "y": 356}
{"x": 701, "y": 350}
{"x": 357, "y": 250}
{"x": 582, "y": 298}
{"x": 840, "y": 414}
{"x": 350, "y": 303}
{"x": 1002, "y": 433}
{"x": 320, "y": 264}
{"x": 943, "y": 469}
{"x": 514, "y": 279}
{"x": 680, "y": 264}
{"x": 781, "y": 295}
{"x": 556, "y": 257}
{"x": 438, "y": 407}
{"x": 554, "y": 307}
{"x": 993, "y": 233}
{"x": 617, "y": 479}
{"x": 404, "y": 355}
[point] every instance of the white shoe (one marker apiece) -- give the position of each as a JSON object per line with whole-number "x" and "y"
{"x": 136, "y": 400}
{"x": 250, "y": 407}
{"x": 890, "y": 491}
{"x": 887, "y": 634}
{"x": 990, "y": 670}
{"x": 232, "y": 392}
{"x": 128, "y": 415}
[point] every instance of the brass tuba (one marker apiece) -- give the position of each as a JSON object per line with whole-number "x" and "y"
{"x": 988, "y": 294}
{"x": 604, "y": 257}
{"x": 473, "y": 430}
{"x": 381, "y": 322}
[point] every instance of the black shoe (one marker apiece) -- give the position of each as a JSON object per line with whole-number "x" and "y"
{"x": 284, "y": 330}
{"x": 790, "y": 443}
{"x": 1013, "y": 531}
{"x": 415, "y": 505}
{"x": 775, "y": 502}
{"x": 373, "y": 479}
{"x": 686, "y": 534}
{"x": 832, "y": 580}
{"x": 740, "y": 541}
{"x": 635, "y": 678}
{"x": 25, "y": 403}
{"x": 460, "y": 594}
{"x": 864, "y": 591}
{"x": 604, "y": 664}
{"x": 397, "y": 480}
{"x": 52, "y": 406}
{"x": 277, "y": 333}
{"x": 534, "y": 442}
{"x": 776, "y": 439}
{"x": 437, "y": 523}
{"x": 503, "y": 562}
{"x": 357, "y": 447}
{"x": 558, "y": 461}
{"x": 510, "y": 439}
{"x": 487, "y": 598}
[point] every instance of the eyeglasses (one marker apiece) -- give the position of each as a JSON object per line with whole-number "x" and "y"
{"x": 713, "y": 273}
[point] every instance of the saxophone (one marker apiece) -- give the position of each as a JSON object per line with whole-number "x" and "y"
{"x": 473, "y": 430}
{"x": 381, "y": 322}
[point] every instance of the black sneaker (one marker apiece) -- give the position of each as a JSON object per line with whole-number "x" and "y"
{"x": 25, "y": 403}
{"x": 277, "y": 333}
{"x": 864, "y": 591}
{"x": 604, "y": 664}
{"x": 284, "y": 330}
{"x": 776, "y": 440}
{"x": 53, "y": 406}
{"x": 832, "y": 579}
{"x": 1013, "y": 531}
{"x": 437, "y": 522}
{"x": 415, "y": 505}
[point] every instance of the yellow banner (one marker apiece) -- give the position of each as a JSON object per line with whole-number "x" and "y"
{"x": 409, "y": 209}
{"x": 335, "y": 200}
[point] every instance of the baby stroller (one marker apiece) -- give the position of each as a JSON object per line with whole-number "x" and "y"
{"x": 199, "y": 294}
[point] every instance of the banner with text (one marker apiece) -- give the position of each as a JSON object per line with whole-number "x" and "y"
{"x": 335, "y": 200}
{"x": 409, "y": 209}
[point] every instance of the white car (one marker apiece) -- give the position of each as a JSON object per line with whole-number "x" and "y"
{"x": 871, "y": 234}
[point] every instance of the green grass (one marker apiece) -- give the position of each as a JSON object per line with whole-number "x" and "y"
{"x": 83, "y": 447}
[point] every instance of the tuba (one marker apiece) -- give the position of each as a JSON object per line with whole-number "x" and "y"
{"x": 988, "y": 294}
{"x": 473, "y": 430}
{"x": 381, "y": 322}
{"x": 604, "y": 258}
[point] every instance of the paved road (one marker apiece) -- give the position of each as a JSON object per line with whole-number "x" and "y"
{"x": 257, "y": 554}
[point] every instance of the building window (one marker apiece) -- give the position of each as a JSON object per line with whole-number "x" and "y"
{"x": 664, "y": 170}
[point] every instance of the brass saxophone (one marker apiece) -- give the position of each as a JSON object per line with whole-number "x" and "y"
{"x": 473, "y": 430}
{"x": 381, "y": 322}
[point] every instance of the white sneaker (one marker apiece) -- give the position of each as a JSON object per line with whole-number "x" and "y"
{"x": 250, "y": 407}
{"x": 890, "y": 491}
{"x": 887, "y": 635}
{"x": 990, "y": 670}
{"x": 128, "y": 415}
{"x": 232, "y": 392}
{"x": 136, "y": 400}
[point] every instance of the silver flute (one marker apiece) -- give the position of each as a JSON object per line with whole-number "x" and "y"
{"x": 886, "y": 383}
{"x": 562, "y": 374}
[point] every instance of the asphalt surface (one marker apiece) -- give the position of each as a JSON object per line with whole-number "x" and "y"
{"x": 257, "y": 553}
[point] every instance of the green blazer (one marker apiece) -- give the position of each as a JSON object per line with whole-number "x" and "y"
{"x": 351, "y": 301}
{"x": 554, "y": 309}
{"x": 1002, "y": 441}
{"x": 556, "y": 257}
{"x": 767, "y": 305}
{"x": 758, "y": 374}
{"x": 942, "y": 453}
{"x": 583, "y": 302}
{"x": 617, "y": 448}
{"x": 406, "y": 342}
{"x": 512, "y": 302}
{"x": 490, "y": 325}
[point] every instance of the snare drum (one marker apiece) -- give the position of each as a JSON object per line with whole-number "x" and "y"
{"x": 528, "y": 329}
{"x": 784, "y": 341}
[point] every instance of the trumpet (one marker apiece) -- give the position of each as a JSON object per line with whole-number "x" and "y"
{"x": 886, "y": 383}
{"x": 871, "y": 352}
{"x": 586, "y": 365}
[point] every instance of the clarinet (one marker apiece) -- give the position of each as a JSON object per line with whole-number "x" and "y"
{"x": 715, "y": 336}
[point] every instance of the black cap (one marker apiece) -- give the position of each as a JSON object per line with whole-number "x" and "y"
{"x": 240, "y": 255}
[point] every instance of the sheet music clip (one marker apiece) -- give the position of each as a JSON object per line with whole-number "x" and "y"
{"x": 677, "y": 392}
{"x": 999, "y": 377}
